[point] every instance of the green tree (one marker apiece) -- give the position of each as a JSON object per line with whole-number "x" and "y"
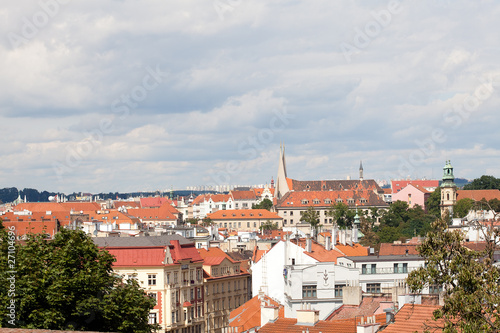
{"x": 191, "y": 220}
{"x": 469, "y": 280}
{"x": 462, "y": 207}
{"x": 207, "y": 221}
{"x": 433, "y": 203}
{"x": 68, "y": 283}
{"x": 264, "y": 204}
{"x": 484, "y": 183}
{"x": 311, "y": 216}
{"x": 370, "y": 238}
{"x": 396, "y": 214}
{"x": 268, "y": 225}
{"x": 494, "y": 204}
{"x": 342, "y": 215}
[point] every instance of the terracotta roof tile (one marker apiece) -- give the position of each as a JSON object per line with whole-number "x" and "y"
{"x": 243, "y": 195}
{"x": 414, "y": 318}
{"x": 244, "y": 214}
{"x": 397, "y": 185}
{"x": 362, "y": 198}
{"x": 247, "y": 316}
{"x": 387, "y": 249}
{"x": 478, "y": 194}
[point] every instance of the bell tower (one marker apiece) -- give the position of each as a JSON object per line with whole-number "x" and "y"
{"x": 448, "y": 190}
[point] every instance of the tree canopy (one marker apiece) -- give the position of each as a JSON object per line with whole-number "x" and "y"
{"x": 469, "y": 280}
{"x": 264, "y": 204}
{"x": 268, "y": 225}
{"x": 484, "y": 183}
{"x": 311, "y": 216}
{"x": 342, "y": 215}
{"x": 68, "y": 283}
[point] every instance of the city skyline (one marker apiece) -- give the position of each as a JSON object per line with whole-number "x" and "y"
{"x": 115, "y": 97}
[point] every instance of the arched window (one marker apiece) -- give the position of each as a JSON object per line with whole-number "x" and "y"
{"x": 448, "y": 196}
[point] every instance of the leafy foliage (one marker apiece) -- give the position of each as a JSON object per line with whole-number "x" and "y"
{"x": 433, "y": 203}
{"x": 462, "y": 207}
{"x": 264, "y": 204}
{"x": 68, "y": 283}
{"x": 484, "y": 183}
{"x": 342, "y": 215}
{"x": 469, "y": 279}
{"x": 268, "y": 225}
{"x": 311, "y": 216}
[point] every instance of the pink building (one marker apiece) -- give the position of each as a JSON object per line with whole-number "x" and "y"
{"x": 413, "y": 194}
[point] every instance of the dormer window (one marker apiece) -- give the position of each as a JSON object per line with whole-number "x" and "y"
{"x": 350, "y": 201}
{"x": 324, "y": 187}
{"x": 328, "y": 201}
{"x": 316, "y": 201}
{"x": 308, "y": 187}
{"x": 340, "y": 186}
{"x": 305, "y": 202}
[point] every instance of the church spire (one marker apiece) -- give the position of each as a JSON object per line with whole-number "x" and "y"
{"x": 360, "y": 170}
{"x": 281, "y": 182}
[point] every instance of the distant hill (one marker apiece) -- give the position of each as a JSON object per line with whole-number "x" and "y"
{"x": 10, "y": 194}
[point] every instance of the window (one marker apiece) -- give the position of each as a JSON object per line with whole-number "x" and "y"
{"x": 152, "y": 295}
{"x": 175, "y": 277}
{"x": 291, "y": 213}
{"x": 192, "y": 294}
{"x": 284, "y": 213}
{"x": 369, "y": 269}
{"x": 305, "y": 202}
{"x": 339, "y": 200}
{"x": 248, "y": 224}
{"x": 435, "y": 289}
{"x": 152, "y": 318}
{"x": 401, "y": 268}
{"x": 328, "y": 201}
{"x": 173, "y": 317}
{"x": 338, "y": 290}
{"x": 284, "y": 221}
{"x": 151, "y": 279}
{"x": 373, "y": 288}
{"x": 316, "y": 201}
{"x": 199, "y": 293}
{"x": 309, "y": 291}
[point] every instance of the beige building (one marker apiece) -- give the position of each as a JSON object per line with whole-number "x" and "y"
{"x": 244, "y": 219}
{"x": 226, "y": 288}
{"x": 170, "y": 270}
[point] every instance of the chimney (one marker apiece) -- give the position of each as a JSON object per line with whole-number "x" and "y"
{"x": 307, "y": 316}
{"x": 334, "y": 236}
{"x": 352, "y": 295}
{"x": 355, "y": 234}
{"x": 268, "y": 313}
{"x": 327, "y": 243}
{"x": 308, "y": 243}
{"x": 389, "y": 315}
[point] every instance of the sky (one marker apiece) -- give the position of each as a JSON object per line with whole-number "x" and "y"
{"x": 124, "y": 95}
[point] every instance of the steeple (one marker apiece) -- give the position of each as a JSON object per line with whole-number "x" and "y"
{"x": 448, "y": 190}
{"x": 360, "y": 170}
{"x": 281, "y": 183}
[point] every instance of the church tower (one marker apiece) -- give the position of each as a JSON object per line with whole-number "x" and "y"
{"x": 281, "y": 183}
{"x": 448, "y": 190}
{"x": 361, "y": 170}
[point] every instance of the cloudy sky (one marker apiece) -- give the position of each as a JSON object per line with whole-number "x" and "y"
{"x": 126, "y": 95}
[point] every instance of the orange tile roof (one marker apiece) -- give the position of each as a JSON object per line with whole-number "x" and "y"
{"x": 368, "y": 307}
{"x": 112, "y": 216}
{"x": 247, "y": 316}
{"x": 243, "y": 195}
{"x": 153, "y": 202}
{"x": 354, "y": 250}
{"x": 387, "y": 249}
{"x": 318, "y": 251}
{"x": 244, "y": 214}
{"x": 335, "y": 326}
{"x": 397, "y": 185}
{"x": 257, "y": 254}
{"x": 414, "y": 318}
{"x": 478, "y": 195}
{"x": 57, "y": 206}
{"x": 214, "y": 252}
{"x": 362, "y": 198}
{"x": 258, "y": 191}
{"x": 138, "y": 256}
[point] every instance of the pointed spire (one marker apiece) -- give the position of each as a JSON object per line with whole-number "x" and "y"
{"x": 360, "y": 170}
{"x": 281, "y": 182}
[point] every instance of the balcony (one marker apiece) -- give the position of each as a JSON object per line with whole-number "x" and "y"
{"x": 387, "y": 270}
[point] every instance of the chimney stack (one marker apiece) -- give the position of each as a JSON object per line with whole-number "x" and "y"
{"x": 327, "y": 243}
{"x": 334, "y": 236}
{"x": 308, "y": 243}
{"x": 268, "y": 313}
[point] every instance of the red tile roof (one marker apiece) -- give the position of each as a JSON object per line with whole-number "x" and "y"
{"x": 478, "y": 195}
{"x": 257, "y": 254}
{"x": 57, "y": 206}
{"x": 387, "y": 249}
{"x": 397, "y": 185}
{"x": 138, "y": 256}
{"x": 333, "y": 185}
{"x": 289, "y": 325}
{"x": 181, "y": 252}
{"x": 243, "y": 195}
{"x": 244, "y": 214}
{"x": 247, "y": 316}
{"x": 258, "y": 191}
{"x": 362, "y": 198}
{"x": 414, "y": 318}
{"x": 214, "y": 253}
{"x": 369, "y": 306}
{"x": 153, "y": 202}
